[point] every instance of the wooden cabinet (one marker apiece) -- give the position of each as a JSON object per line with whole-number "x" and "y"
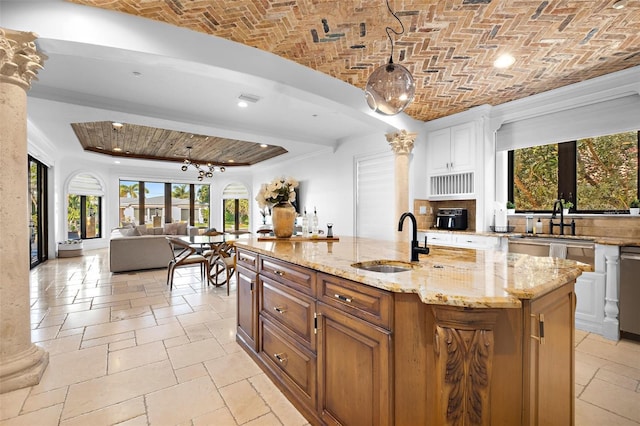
{"x": 247, "y": 298}
{"x": 550, "y": 360}
{"x": 451, "y": 150}
{"x": 354, "y": 370}
{"x": 347, "y": 353}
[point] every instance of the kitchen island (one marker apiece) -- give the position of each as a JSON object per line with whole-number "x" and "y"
{"x": 460, "y": 337}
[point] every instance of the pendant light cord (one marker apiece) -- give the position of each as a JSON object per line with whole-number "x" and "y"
{"x": 388, "y": 29}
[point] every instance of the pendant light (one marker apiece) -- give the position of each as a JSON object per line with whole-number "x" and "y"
{"x": 390, "y": 88}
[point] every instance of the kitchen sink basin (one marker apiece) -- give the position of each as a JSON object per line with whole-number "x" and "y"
{"x": 386, "y": 266}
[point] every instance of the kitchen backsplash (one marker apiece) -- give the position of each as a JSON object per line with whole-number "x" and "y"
{"x": 427, "y": 220}
{"x": 623, "y": 225}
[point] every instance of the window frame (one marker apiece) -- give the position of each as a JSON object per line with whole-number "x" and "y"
{"x": 567, "y": 177}
{"x": 83, "y": 215}
{"x": 168, "y": 186}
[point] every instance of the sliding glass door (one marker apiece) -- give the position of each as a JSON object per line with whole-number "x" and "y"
{"x": 37, "y": 212}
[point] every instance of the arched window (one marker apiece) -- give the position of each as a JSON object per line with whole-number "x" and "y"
{"x": 84, "y": 207}
{"x": 235, "y": 208}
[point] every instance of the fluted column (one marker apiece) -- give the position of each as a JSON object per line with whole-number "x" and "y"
{"x": 402, "y": 144}
{"x": 21, "y": 362}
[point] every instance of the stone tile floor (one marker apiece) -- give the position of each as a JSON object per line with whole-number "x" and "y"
{"x": 124, "y": 350}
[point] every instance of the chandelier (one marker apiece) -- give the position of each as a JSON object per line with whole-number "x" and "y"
{"x": 203, "y": 170}
{"x": 390, "y": 88}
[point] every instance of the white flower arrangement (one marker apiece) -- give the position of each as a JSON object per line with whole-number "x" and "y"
{"x": 278, "y": 190}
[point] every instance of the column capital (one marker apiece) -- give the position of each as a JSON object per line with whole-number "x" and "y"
{"x": 401, "y": 142}
{"x": 19, "y": 57}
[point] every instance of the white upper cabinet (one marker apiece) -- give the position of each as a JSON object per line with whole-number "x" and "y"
{"x": 451, "y": 150}
{"x": 451, "y": 162}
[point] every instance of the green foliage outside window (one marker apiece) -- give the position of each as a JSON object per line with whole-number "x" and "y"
{"x": 535, "y": 177}
{"x": 242, "y": 214}
{"x": 606, "y": 177}
{"x": 607, "y": 171}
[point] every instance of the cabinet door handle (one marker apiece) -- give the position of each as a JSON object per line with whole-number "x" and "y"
{"x": 343, "y": 298}
{"x": 280, "y": 273}
{"x": 281, "y": 357}
{"x": 279, "y": 309}
{"x": 540, "y": 336}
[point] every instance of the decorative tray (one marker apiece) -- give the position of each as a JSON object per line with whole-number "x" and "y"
{"x": 502, "y": 229}
{"x": 298, "y": 238}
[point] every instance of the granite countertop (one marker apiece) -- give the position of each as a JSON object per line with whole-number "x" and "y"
{"x": 612, "y": 241}
{"x": 446, "y": 276}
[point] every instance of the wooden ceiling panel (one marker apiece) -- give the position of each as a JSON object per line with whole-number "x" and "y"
{"x": 134, "y": 141}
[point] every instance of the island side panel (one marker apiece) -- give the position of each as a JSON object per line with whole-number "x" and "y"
{"x": 415, "y": 364}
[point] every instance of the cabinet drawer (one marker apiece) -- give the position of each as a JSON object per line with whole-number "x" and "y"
{"x": 298, "y": 277}
{"x": 368, "y": 303}
{"x": 289, "y": 308}
{"x": 476, "y": 241}
{"x": 293, "y": 364}
{"x": 248, "y": 259}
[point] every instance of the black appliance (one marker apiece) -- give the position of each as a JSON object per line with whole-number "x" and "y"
{"x": 453, "y": 218}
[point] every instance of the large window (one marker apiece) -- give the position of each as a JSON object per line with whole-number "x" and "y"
{"x": 201, "y": 206}
{"x": 156, "y": 203}
{"x": 597, "y": 174}
{"x": 235, "y": 208}
{"x": 84, "y": 208}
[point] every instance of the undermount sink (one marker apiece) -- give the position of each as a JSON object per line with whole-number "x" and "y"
{"x": 386, "y": 266}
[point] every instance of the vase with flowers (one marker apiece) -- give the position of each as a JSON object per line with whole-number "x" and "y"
{"x": 278, "y": 195}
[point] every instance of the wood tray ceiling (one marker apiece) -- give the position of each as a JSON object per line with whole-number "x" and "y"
{"x": 449, "y": 45}
{"x": 134, "y": 141}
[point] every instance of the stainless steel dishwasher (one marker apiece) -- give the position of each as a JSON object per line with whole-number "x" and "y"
{"x": 630, "y": 290}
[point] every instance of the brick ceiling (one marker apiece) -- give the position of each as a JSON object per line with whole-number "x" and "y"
{"x": 449, "y": 45}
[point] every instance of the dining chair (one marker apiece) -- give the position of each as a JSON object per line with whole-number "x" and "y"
{"x": 185, "y": 255}
{"x": 222, "y": 259}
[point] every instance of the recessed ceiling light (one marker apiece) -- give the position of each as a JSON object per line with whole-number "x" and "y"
{"x": 117, "y": 149}
{"x": 231, "y": 161}
{"x": 263, "y": 145}
{"x": 116, "y": 162}
{"x": 620, "y": 4}
{"x": 117, "y": 125}
{"x": 243, "y": 104}
{"x": 504, "y": 61}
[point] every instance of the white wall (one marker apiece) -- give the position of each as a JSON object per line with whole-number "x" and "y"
{"x": 326, "y": 182}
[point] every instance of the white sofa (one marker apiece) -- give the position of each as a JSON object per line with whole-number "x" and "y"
{"x": 139, "y": 248}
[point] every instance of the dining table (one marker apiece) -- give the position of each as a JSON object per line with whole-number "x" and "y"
{"x": 216, "y": 243}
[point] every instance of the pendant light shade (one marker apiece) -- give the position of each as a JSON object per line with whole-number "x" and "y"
{"x": 390, "y": 89}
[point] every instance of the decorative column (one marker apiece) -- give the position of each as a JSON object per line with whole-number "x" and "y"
{"x": 21, "y": 362}
{"x": 402, "y": 144}
{"x": 463, "y": 345}
{"x": 611, "y": 323}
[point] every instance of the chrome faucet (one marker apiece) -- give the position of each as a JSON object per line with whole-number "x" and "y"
{"x": 557, "y": 207}
{"x": 415, "y": 247}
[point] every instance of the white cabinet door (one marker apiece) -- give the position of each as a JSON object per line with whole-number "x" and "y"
{"x": 451, "y": 150}
{"x": 462, "y": 148}
{"x": 439, "y": 151}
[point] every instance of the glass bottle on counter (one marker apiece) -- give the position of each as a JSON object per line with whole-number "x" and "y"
{"x": 314, "y": 223}
{"x": 305, "y": 223}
